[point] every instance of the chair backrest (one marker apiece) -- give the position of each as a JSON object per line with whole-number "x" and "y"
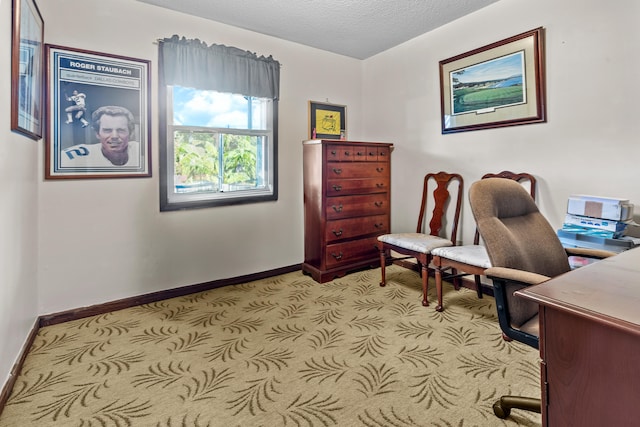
{"x": 441, "y": 197}
{"x": 515, "y": 233}
{"x": 519, "y": 177}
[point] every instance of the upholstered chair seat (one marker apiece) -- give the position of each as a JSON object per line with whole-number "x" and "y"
{"x": 418, "y": 242}
{"x": 467, "y": 254}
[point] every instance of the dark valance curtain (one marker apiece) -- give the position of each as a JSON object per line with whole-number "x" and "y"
{"x": 191, "y": 63}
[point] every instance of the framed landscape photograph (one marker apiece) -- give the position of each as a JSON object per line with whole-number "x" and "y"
{"x": 501, "y": 84}
{"x": 327, "y": 121}
{"x": 98, "y": 115}
{"x": 27, "y": 69}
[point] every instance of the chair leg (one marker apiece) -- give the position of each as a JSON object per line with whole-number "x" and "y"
{"x": 455, "y": 281}
{"x": 383, "y": 264}
{"x": 503, "y": 406}
{"x": 478, "y": 286}
{"x": 425, "y": 284}
{"x": 438, "y": 274}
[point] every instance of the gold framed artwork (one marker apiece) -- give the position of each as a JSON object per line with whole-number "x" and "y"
{"x": 501, "y": 84}
{"x": 327, "y": 121}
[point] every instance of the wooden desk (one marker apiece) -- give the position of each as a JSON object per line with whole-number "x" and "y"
{"x": 590, "y": 343}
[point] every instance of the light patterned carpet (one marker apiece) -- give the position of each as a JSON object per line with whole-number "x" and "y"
{"x": 284, "y": 351}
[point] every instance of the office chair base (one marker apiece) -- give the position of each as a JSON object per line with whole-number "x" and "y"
{"x": 503, "y": 406}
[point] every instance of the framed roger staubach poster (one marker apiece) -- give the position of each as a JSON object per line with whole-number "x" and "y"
{"x": 98, "y": 115}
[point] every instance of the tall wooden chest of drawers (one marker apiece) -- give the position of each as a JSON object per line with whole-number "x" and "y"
{"x": 346, "y": 205}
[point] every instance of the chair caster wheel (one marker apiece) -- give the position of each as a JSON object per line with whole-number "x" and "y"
{"x": 500, "y": 411}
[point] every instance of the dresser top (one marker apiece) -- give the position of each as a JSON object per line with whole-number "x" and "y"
{"x": 342, "y": 142}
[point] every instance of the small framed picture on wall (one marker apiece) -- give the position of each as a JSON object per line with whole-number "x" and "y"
{"x": 98, "y": 115}
{"x": 27, "y": 69}
{"x": 327, "y": 121}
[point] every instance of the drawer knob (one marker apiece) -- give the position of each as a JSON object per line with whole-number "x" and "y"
{"x": 337, "y": 171}
{"x": 378, "y": 204}
{"x": 337, "y": 256}
{"x": 337, "y": 233}
{"x": 380, "y": 170}
{"x": 380, "y": 185}
{"x": 337, "y": 187}
{"x": 372, "y": 153}
{"x": 337, "y": 208}
{"x": 359, "y": 153}
{"x": 378, "y": 226}
{"x": 334, "y": 152}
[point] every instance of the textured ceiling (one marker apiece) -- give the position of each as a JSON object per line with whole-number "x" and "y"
{"x": 355, "y": 28}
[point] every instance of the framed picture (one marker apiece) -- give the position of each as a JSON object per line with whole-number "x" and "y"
{"x": 327, "y": 121}
{"x": 27, "y": 65}
{"x": 98, "y": 115}
{"x": 501, "y": 84}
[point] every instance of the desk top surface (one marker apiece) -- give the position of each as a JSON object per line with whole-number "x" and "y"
{"x": 607, "y": 291}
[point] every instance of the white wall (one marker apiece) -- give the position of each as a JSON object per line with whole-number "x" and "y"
{"x": 103, "y": 240}
{"x": 19, "y": 166}
{"x": 590, "y": 143}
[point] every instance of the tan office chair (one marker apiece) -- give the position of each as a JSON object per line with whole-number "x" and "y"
{"x": 471, "y": 259}
{"x": 419, "y": 245}
{"x": 524, "y": 250}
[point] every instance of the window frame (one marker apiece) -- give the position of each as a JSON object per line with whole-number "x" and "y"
{"x": 207, "y": 200}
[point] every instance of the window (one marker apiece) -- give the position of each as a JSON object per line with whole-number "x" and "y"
{"x": 218, "y": 142}
{"x": 220, "y": 148}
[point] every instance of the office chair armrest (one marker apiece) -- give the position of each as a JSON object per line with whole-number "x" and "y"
{"x": 515, "y": 312}
{"x": 589, "y": 253}
{"x": 513, "y": 275}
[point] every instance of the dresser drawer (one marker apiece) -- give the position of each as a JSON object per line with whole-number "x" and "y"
{"x": 355, "y": 227}
{"x": 357, "y": 250}
{"x": 378, "y": 154}
{"x": 357, "y": 153}
{"x": 342, "y": 170}
{"x": 339, "y": 153}
{"x": 337, "y": 187}
{"x": 353, "y": 206}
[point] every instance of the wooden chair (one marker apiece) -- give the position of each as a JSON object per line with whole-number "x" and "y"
{"x": 419, "y": 245}
{"x": 470, "y": 259}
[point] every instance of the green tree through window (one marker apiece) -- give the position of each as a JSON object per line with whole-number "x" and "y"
{"x": 196, "y": 157}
